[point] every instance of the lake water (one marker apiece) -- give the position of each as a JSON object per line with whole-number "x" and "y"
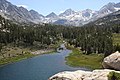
{"x": 37, "y": 68}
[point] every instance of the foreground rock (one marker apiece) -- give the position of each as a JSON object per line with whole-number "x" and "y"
{"x": 83, "y": 75}
{"x": 112, "y": 61}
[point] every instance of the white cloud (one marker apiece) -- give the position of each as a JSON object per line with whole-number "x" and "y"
{"x": 25, "y": 6}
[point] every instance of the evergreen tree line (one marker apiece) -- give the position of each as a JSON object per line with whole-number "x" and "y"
{"x": 90, "y": 38}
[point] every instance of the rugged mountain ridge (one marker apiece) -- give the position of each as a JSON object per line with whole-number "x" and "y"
{"x": 109, "y": 20}
{"x": 19, "y": 14}
{"x": 69, "y": 17}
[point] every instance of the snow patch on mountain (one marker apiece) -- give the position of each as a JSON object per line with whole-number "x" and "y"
{"x": 68, "y": 17}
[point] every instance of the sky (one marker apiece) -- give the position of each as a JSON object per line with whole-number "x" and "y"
{"x": 47, "y": 6}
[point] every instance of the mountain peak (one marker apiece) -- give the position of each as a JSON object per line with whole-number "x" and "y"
{"x": 36, "y": 15}
{"x": 111, "y": 3}
{"x": 22, "y": 8}
{"x": 51, "y": 15}
{"x": 70, "y": 11}
{"x": 117, "y": 5}
{"x": 67, "y": 12}
{"x": 33, "y": 11}
{"x": 109, "y": 8}
{"x": 87, "y": 10}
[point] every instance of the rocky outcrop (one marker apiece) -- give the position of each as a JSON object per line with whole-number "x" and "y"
{"x": 83, "y": 75}
{"x": 112, "y": 61}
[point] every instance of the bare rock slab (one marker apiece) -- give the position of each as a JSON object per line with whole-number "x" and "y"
{"x": 82, "y": 75}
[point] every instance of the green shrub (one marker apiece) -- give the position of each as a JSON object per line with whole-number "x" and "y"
{"x": 114, "y": 76}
